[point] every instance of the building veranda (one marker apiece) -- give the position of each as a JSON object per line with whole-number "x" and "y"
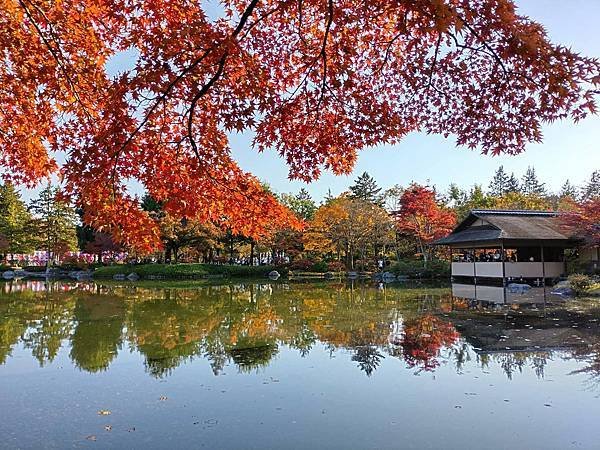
{"x": 507, "y": 246}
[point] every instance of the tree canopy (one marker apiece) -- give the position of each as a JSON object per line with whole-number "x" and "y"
{"x": 16, "y": 227}
{"x": 317, "y": 81}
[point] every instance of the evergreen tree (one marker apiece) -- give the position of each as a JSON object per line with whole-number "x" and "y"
{"x": 568, "y": 190}
{"x": 512, "y": 185}
{"x": 499, "y": 183}
{"x": 365, "y": 188}
{"x": 301, "y": 204}
{"x": 531, "y": 184}
{"x": 328, "y": 197}
{"x": 149, "y": 204}
{"x": 15, "y": 222}
{"x": 56, "y": 223}
{"x": 591, "y": 189}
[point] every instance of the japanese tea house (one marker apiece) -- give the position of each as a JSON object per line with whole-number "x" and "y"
{"x": 506, "y": 246}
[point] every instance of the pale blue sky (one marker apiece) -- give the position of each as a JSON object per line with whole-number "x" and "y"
{"x": 568, "y": 151}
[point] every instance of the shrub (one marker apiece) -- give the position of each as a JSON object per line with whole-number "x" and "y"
{"x": 34, "y": 268}
{"x": 365, "y": 264}
{"x": 414, "y": 269}
{"x": 303, "y": 264}
{"x": 185, "y": 271}
{"x": 581, "y": 284}
{"x": 319, "y": 266}
{"x": 335, "y": 266}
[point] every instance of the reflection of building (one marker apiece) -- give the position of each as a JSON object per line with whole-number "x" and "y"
{"x": 508, "y": 245}
{"x": 526, "y": 323}
{"x": 500, "y": 294}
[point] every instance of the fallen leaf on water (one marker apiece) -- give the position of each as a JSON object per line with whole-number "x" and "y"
{"x": 104, "y": 412}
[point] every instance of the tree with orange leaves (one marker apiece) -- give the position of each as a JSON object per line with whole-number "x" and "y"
{"x": 316, "y": 80}
{"x": 421, "y": 218}
{"x": 583, "y": 221}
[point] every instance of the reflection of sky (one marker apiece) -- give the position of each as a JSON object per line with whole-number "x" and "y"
{"x": 568, "y": 151}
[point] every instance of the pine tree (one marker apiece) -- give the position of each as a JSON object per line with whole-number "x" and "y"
{"x": 15, "y": 222}
{"x": 328, "y": 198}
{"x": 301, "y": 204}
{"x": 568, "y": 190}
{"x": 365, "y": 188}
{"x": 512, "y": 185}
{"x": 56, "y": 223}
{"x": 591, "y": 190}
{"x": 498, "y": 185}
{"x": 531, "y": 184}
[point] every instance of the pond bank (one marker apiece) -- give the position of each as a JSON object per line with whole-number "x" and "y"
{"x": 184, "y": 271}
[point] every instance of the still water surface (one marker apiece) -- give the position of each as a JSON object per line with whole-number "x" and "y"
{"x": 293, "y": 365}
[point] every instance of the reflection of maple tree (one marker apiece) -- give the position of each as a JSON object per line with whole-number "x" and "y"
{"x": 423, "y": 338}
{"x": 317, "y": 81}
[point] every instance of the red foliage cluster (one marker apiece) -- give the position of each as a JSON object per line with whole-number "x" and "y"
{"x": 421, "y": 216}
{"x": 583, "y": 221}
{"x": 423, "y": 338}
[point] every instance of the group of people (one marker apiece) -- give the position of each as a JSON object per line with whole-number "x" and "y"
{"x": 488, "y": 256}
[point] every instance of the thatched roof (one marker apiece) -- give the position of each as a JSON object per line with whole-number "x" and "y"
{"x": 495, "y": 225}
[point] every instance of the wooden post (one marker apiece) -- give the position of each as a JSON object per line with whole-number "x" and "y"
{"x": 543, "y": 266}
{"x": 474, "y": 267}
{"x": 503, "y": 257}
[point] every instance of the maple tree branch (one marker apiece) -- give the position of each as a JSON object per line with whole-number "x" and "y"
{"x": 163, "y": 95}
{"x": 492, "y": 51}
{"x": 323, "y": 52}
{"x": 197, "y": 97}
{"x": 53, "y": 52}
{"x": 435, "y": 59}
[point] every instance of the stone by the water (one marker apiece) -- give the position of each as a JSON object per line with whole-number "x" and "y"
{"x": 518, "y": 287}
{"x": 273, "y": 274}
{"x": 8, "y": 275}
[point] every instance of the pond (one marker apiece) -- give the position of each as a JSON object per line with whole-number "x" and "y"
{"x": 296, "y": 365}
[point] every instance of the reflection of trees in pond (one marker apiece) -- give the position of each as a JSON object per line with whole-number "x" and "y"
{"x": 249, "y": 355}
{"x": 368, "y": 358}
{"x": 422, "y": 340}
{"x": 50, "y": 324}
{"x": 591, "y": 357}
{"x": 98, "y": 332}
{"x": 517, "y": 361}
{"x": 247, "y": 325}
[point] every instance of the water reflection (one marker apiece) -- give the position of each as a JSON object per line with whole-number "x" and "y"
{"x": 246, "y": 325}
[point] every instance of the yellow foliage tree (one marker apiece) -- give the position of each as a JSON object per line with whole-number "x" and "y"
{"x": 348, "y": 226}
{"x": 518, "y": 200}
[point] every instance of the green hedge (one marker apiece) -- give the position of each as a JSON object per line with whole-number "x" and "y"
{"x": 185, "y": 271}
{"x": 414, "y": 269}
